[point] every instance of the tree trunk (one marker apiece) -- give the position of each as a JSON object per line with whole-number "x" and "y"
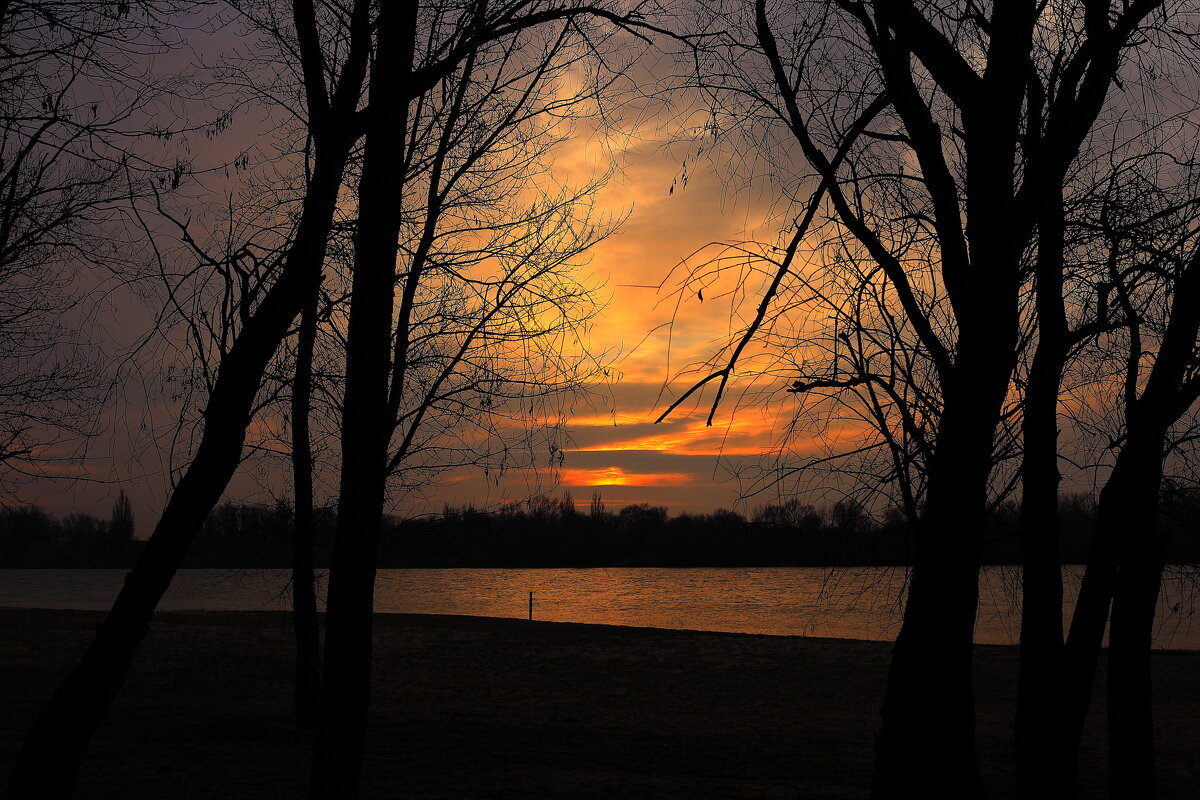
{"x": 926, "y": 747}
{"x": 304, "y": 594}
{"x": 366, "y": 421}
{"x": 1170, "y": 390}
{"x": 1141, "y": 558}
{"x": 1039, "y": 699}
{"x": 49, "y": 759}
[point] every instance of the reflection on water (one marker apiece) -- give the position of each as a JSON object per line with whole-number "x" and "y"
{"x": 858, "y": 603}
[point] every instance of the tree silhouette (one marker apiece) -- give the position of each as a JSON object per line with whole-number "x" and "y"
{"x": 49, "y": 757}
{"x": 72, "y": 98}
{"x": 1149, "y": 224}
{"x": 461, "y": 308}
{"x": 120, "y": 524}
{"x": 338, "y": 52}
{"x": 973, "y": 119}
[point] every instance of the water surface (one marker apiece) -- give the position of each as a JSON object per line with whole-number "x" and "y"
{"x": 856, "y": 603}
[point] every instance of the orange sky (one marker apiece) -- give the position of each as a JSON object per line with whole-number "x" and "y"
{"x": 657, "y": 326}
{"x": 654, "y": 326}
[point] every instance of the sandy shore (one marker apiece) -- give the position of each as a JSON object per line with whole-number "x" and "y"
{"x": 470, "y": 707}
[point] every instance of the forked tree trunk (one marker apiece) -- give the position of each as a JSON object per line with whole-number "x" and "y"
{"x": 49, "y": 759}
{"x": 1120, "y": 523}
{"x": 1170, "y": 390}
{"x": 1127, "y": 560}
{"x": 926, "y": 746}
{"x": 366, "y": 421}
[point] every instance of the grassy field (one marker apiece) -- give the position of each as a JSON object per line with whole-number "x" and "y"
{"x": 469, "y": 707}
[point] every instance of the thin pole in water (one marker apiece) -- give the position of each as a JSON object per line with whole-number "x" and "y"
{"x": 531, "y": 606}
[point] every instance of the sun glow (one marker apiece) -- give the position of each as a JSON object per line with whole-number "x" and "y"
{"x": 616, "y": 476}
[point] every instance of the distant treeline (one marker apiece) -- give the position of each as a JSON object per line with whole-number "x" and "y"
{"x": 552, "y": 531}
{"x": 31, "y": 537}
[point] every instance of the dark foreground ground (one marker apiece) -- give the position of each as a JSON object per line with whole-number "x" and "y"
{"x": 484, "y": 708}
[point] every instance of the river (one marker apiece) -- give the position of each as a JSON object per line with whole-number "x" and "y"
{"x": 855, "y": 603}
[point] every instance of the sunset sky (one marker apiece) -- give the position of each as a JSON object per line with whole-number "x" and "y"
{"x": 681, "y": 198}
{"x": 654, "y": 327}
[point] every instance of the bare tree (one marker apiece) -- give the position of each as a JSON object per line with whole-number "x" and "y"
{"x": 72, "y": 98}
{"x": 1149, "y": 225}
{"x": 462, "y": 310}
{"x": 50, "y": 756}
{"x": 337, "y": 115}
{"x": 975, "y": 115}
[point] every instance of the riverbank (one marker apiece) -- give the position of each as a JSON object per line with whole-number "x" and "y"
{"x": 469, "y": 707}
